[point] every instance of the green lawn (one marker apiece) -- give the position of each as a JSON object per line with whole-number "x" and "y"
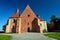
{"x": 54, "y": 35}
{"x": 5, "y": 37}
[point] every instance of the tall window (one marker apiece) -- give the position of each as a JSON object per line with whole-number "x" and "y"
{"x": 15, "y": 21}
{"x": 28, "y": 23}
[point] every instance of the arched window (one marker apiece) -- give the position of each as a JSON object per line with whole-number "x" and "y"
{"x": 15, "y": 21}
{"x": 28, "y": 23}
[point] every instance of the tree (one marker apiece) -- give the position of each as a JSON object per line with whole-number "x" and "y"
{"x": 48, "y": 27}
{"x": 55, "y": 23}
{"x": 53, "y": 18}
{"x": 58, "y": 23}
{"x": 4, "y": 28}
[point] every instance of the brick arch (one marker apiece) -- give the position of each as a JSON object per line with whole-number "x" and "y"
{"x": 35, "y": 27}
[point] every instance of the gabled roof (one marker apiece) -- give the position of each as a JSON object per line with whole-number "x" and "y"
{"x": 28, "y": 9}
{"x": 16, "y": 15}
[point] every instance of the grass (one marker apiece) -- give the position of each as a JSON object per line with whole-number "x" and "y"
{"x": 5, "y": 37}
{"x": 54, "y": 35}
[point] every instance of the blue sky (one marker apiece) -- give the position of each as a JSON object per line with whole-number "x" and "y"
{"x": 44, "y": 8}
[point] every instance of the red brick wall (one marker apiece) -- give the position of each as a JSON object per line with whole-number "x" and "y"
{"x": 27, "y": 18}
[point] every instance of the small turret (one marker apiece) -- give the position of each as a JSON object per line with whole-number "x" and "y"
{"x": 16, "y": 15}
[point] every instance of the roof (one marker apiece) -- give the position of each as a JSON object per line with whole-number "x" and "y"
{"x": 28, "y": 9}
{"x": 16, "y": 15}
{"x": 41, "y": 19}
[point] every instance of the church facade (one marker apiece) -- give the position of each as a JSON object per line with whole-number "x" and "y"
{"x": 26, "y": 22}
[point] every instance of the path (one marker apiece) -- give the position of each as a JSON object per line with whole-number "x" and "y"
{"x": 30, "y": 36}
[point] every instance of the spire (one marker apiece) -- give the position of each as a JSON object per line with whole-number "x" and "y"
{"x": 17, "y": 11}
{"x": 16, "y": 14}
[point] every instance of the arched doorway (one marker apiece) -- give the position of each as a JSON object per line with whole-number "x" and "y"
{"x": 14, "y": 29}
{"x": 28, "y": 29}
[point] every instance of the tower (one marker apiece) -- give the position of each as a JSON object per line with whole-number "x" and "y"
{"x": 13, "y": 23}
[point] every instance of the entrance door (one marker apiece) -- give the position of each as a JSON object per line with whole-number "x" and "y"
{"x": 28, "y": 29}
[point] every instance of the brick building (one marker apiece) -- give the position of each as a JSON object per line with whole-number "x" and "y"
{"x": 26, "y": 22}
